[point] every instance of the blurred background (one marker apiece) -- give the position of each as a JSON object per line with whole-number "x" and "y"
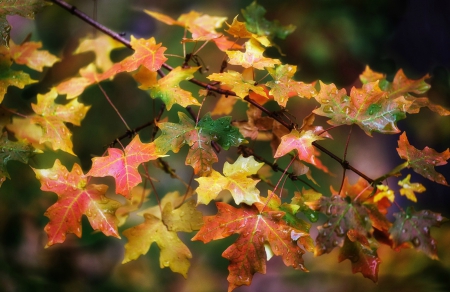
{"x": 333, "y": 42}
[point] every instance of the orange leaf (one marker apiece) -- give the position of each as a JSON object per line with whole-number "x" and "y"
{"x": 253, "y": 57}
{"x": 302, "y": 142}
{"x": 28, "y": 54}
{"x": 75, "y": 199}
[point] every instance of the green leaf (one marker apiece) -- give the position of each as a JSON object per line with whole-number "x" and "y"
{"x": 9, "y": 150}
{"x": 221, "y": 131}
{"x": 24, "y": 8}
{"x": 258, "y": 24}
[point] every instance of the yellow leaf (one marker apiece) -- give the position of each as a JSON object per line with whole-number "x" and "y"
{"x": 252, "y": 57}
{"x": 409, "y": 188}
{"x": 384, "y": 192}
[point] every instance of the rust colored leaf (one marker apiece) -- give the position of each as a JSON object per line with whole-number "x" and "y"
{"x": 258, "y": 227}
{"x": 412, "y": 228}
{"x": 423, "y": 161}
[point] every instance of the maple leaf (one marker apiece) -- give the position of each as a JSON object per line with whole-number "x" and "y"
{"x": 258, "y": 24}
{"x": 409, "y": 188}
{"x": 169, "y": 91}
{"x": 76, "y": 85}
{"x": 371, "y": 108}
{"x": 239, "y": 29}
{"x": 28, "y": 54}
{"x": 412, "y": 228}
{"x": 283, "y": 87}
{"x": 76, "y": 198}
{"x": 101, "y": 45}
{"x": 362, "y": 253}
{"x": 384, "y": 192}
{"x": 235, "y": 180}
{"x": 122, "y": 165}
{"x": 146, "y": 53}
{"x": 199, "y": 137}
{"x": 252, "y": 57}
{"x": 237, "y": 82}
{"x": 258, "y": 226}
{"x": 423, "y": 161}
{"x": 403, "y": 86}
{"x": 24, "y": 8}
{"x": 51, "y": 117}
{"x": 255, "y": 124}
{"x": 9, "y": 77}
{"x": 25, "y": 129}
{"x": 302, "y": 142}
{"x": 162, "y": 230}
{"x": 352, "y": 218}
{"x": 138, "y": 197}
{"x": 9, "y": 150}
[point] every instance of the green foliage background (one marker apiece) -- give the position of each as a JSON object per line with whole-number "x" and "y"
{"x": 333, "y": 42}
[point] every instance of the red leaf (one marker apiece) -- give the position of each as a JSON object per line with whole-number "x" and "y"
{"x": 257, "y": 226}
{"x": 123, "y": 165}
{"x": 75, "y": 199}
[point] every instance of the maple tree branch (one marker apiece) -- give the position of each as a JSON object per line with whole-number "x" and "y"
{"x": 72, "y": 9}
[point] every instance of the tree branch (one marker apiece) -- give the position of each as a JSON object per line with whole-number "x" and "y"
{"x": 72, "y": 9}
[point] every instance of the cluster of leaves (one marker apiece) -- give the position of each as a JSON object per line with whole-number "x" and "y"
{"x": 356, "y": 215}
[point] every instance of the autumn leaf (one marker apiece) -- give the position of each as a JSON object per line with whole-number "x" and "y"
{"x": 75, "y": 198}
{"x": 258, "y": 24}
{"x": 24, "y": 8}
{"x": 283, "y": 87}
{"x": 408, "y": 189}
{"x": 238, "y": 29}
{"x": 101, "y": 45}
{"x": 412, "y": 228}
{"x": 362, "y": 253}
{"x": 75, "y": 86}
{"x": 28, "y": 54}
{"x": 201, "y": 26}
{"x": 423, "y": 161}
{"x": 237, "y": 82}
{"x": 384, "y": 192}
{"x": 252, "y": 57}
{"x": 52, "y": 116}
{"x": 9, "y": 150}
{"x": 122, "y": 165}
{"x": 235, "y": 180}
{"x": 258, "y": 226}
{"x": 199, "y": 138}
{"x": 169, "y": 91}
{"x": 302, "y": 142}
{"x": 163, "y": 230}
{"x": 139, "y": 195}
{"x": 369, "y": 107}
{"x": 9, "y": 77}
{"x": 255, "y": 125}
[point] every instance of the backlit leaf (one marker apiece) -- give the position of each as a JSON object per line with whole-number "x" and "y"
{"x": 258, "y": 226}
{"x": 252, "y": 57}
{"x": 237, "y": 82}
{"x": 423, "y": 161}
{"x": 28, "y": 54}
{"x": 122, "y": 165}
{"x": 235, "y": 180}
{"x": 75, "y": 199}
{"x": 169, "y": 91}
{"x": 162, "y": 228}
{"x": 302, "y": 142}
{"x": 51, "y": 117}
{"x": 408, "y": 189}
{"x": 9, "y": 77}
